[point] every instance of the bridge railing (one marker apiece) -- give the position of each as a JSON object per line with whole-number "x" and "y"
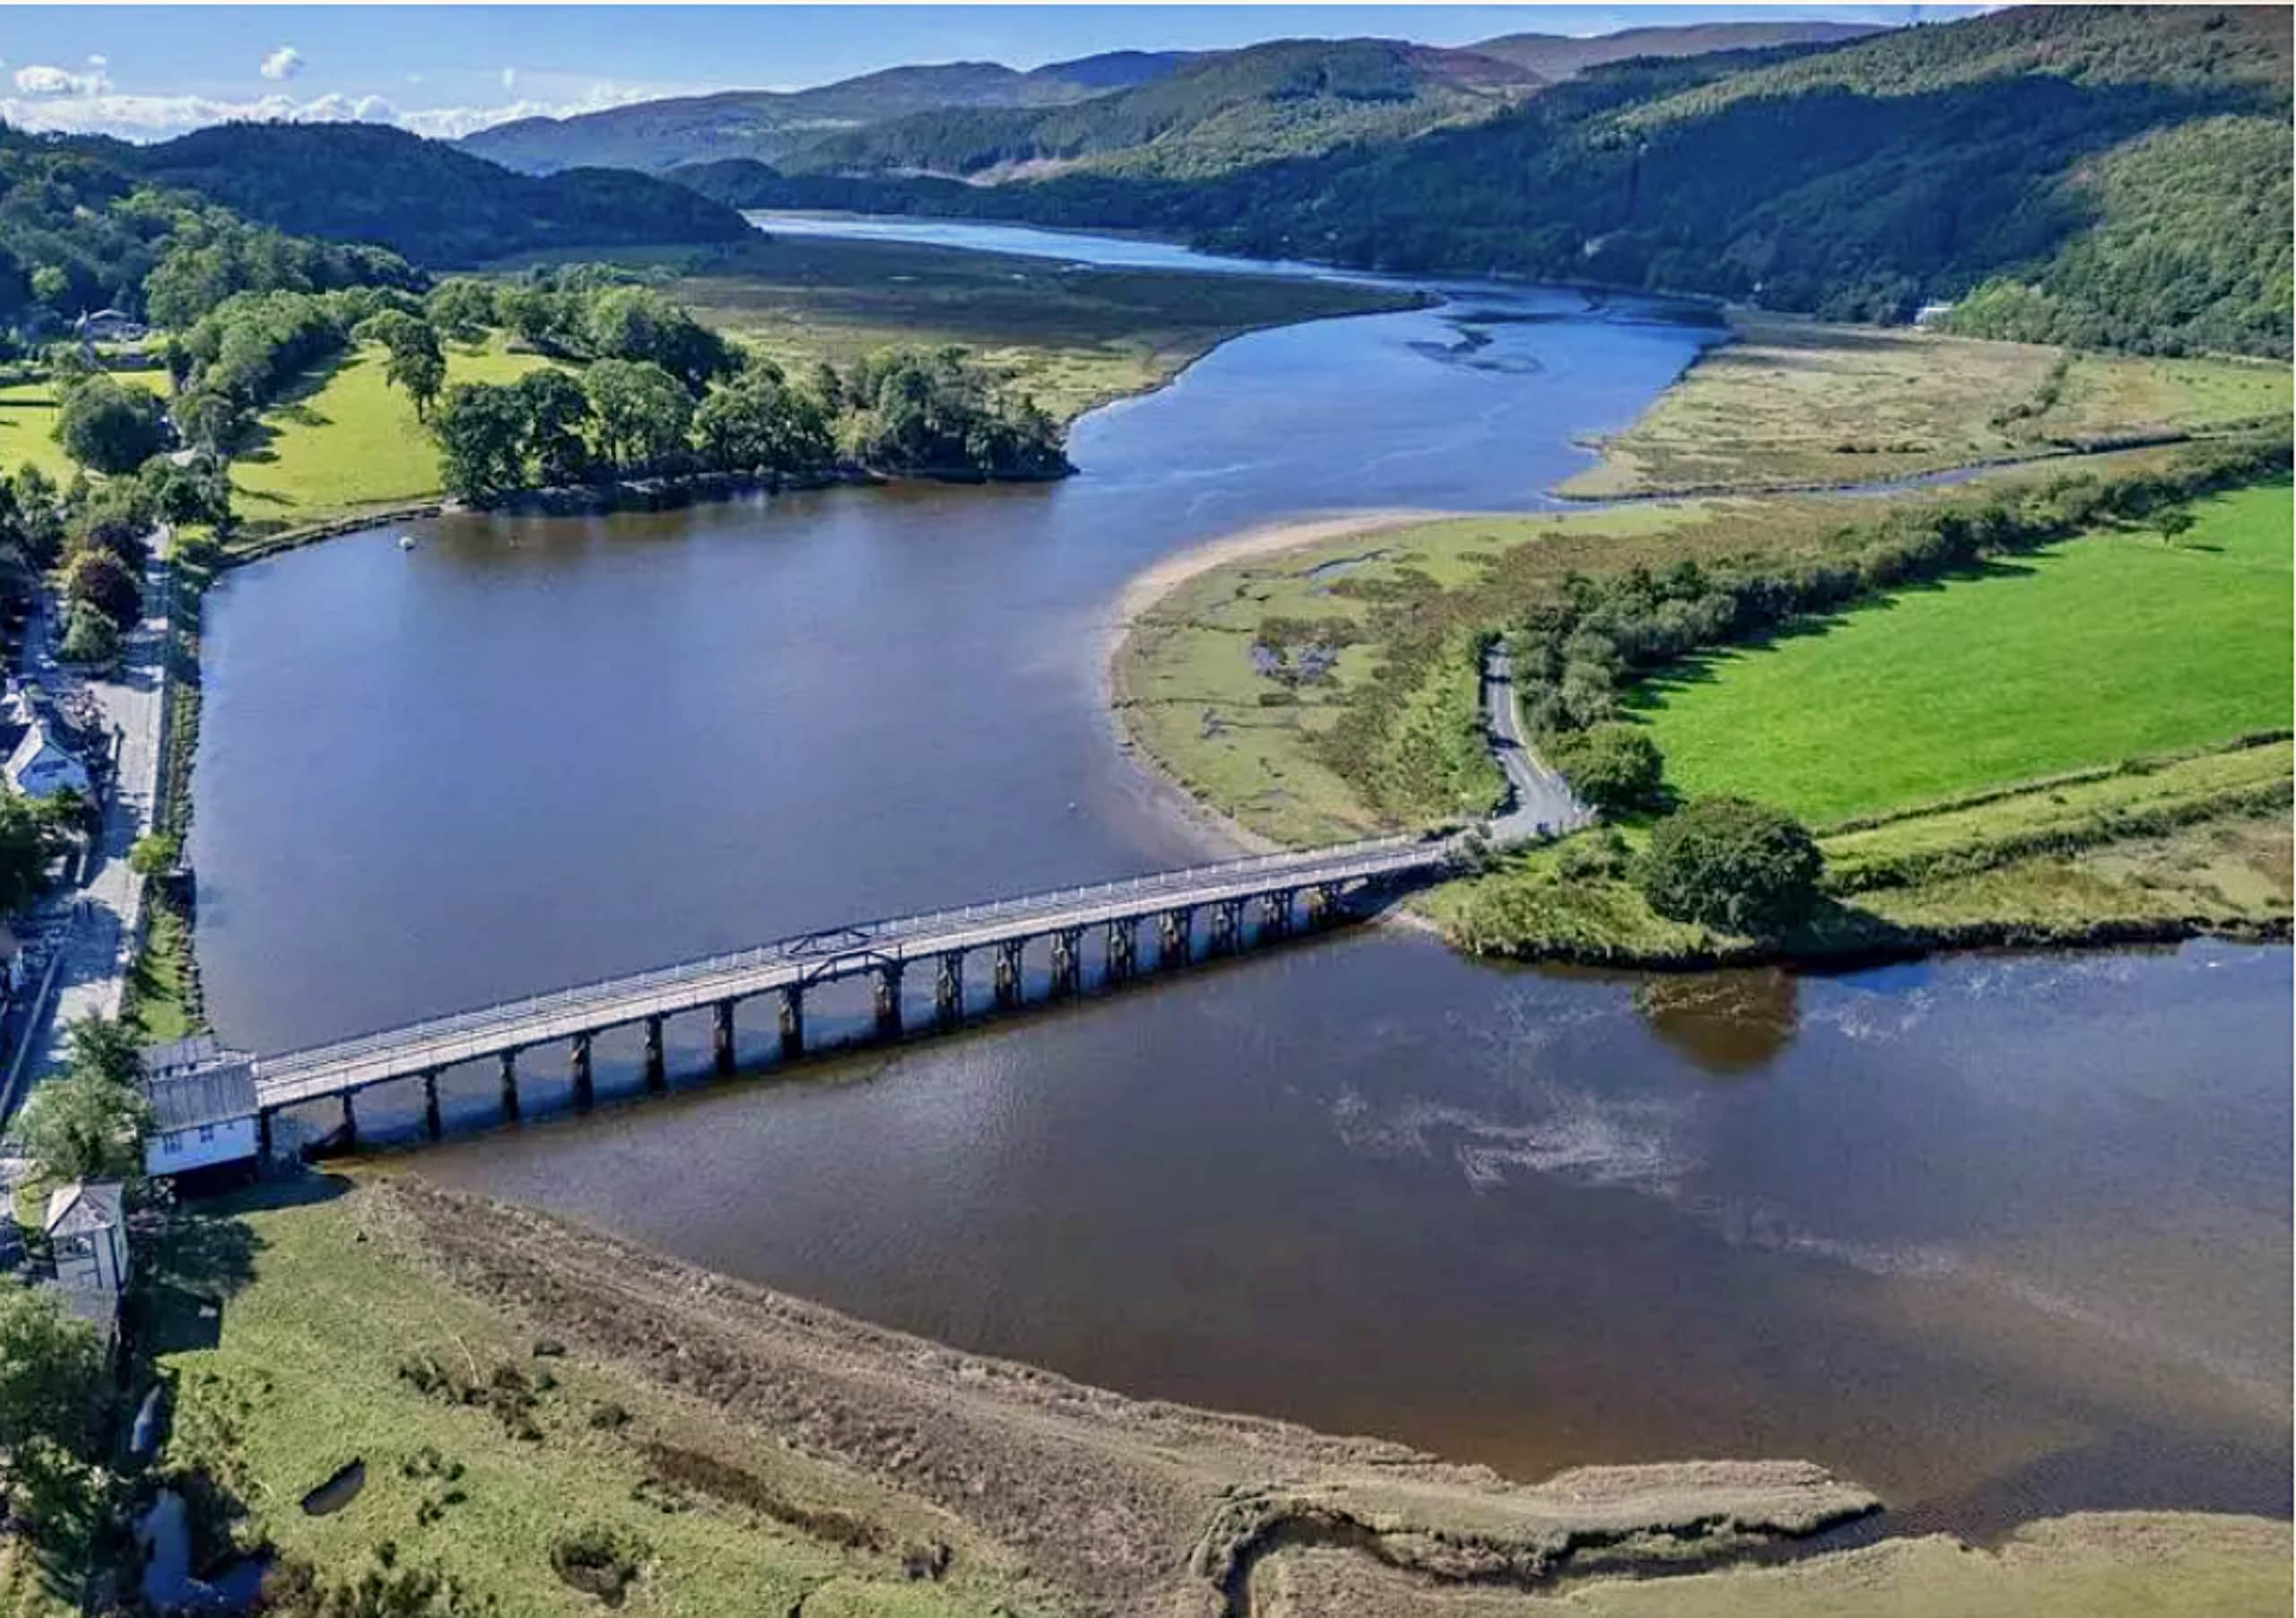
{"x": 482, "y": 1018}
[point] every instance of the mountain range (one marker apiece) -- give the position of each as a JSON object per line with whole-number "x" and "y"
{"x": 1283, "y": 96}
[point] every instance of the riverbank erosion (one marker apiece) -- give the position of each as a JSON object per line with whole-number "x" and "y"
{"x": 513, "y": 1384}
{"x": 2029, "y": 745}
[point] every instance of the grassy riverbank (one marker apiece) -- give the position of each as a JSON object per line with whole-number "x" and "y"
{"x": 28, "y": 423}
{"x": 1797, "y": 404}
{"x": 516, "y": 1388}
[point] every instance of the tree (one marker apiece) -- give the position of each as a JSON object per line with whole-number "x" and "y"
{"x": 642, "y": 412}
{"x": 1616, "y": 766}
{"x": 2174, "y": 523}
{"x": 27, "y": 842}
{"x": 109, "y": 426}
{"x": 461, "y": 306}
{"x": 210, "y": 420}
{"x": 481, "y": 430}
{"x": 557, "y": 412}
{"x": 415, "y": 362}
{"x": 89, "y": 636}
{"x": 640, "y": 323}
{"x": 81, "y": 1125}
{"x": 101, "y": 579}
{"x": 105, "y": 1046}
{"x": 52, "y": 286}
{"x": 51, "y": 1372}
{"x": 756, "y": 422}
{"x": 1732, "y": 865}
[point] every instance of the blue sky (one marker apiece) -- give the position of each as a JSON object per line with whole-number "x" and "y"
{"x": 148, "y": 72}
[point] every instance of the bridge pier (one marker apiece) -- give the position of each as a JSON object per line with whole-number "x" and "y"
{"x": 432, "y": 1125}
{"x": 350, "y": 1123}
{"x": 1008, "y": 973}
{"x": 1320, "y": 899}
{"x": 949, "y": 988}
{"x": 1121, "y": 942}
{"x": 657, "y": 1076}
{"x": 721, "y": 1037}
{"x": 262, "y": 1137}
{"x": 577, "y": 1059}
{"x": 1175, "y": 937}
{"x": 888, "y": 999}
{"x": 1275, "y": 914}
{"x": 1227, "y": 926}
{"x": 509, "y": 1062}
{"x": 793, "y": 1022}
{"x": 1064, "y": 974}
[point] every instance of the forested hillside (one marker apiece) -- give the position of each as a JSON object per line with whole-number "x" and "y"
{"x": 1285, "y": 99}
{"x": 2108, "y": 175}
{"x": 366, "y": 182}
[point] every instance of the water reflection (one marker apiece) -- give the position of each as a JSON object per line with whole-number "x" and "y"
{"x": 1726, "y": 1022}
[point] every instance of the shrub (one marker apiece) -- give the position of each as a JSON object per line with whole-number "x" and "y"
{"x": 89, "y": 637}
{"x": 1599, "y": 856}
{"x": 1725, "y": 863}
{"x": 101, "y": 581}
{"x": 1616, "y": 766}
{"x": 598, "y": 1562}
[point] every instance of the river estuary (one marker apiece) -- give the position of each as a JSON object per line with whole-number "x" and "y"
{"x": 1996, "y": 1236}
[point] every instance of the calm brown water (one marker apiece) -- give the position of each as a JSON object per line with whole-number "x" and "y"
{"x": 1996, "y": 1236}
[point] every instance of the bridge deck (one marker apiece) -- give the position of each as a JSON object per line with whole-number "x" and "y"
{"x": 355, "y": 1064}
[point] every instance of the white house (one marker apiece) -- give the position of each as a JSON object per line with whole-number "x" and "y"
{"x": 87, "y": 1245}
{"x": 203, "y": 1107}
{"x": 110, "y": 326}
{"x": 40, "y": 767}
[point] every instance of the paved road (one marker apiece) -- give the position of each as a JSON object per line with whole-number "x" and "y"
{"x": 100, "y": 947}
{"x": 1539, "y": 801}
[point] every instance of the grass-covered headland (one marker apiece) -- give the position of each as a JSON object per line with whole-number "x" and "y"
{"x": 2048, "y": 705}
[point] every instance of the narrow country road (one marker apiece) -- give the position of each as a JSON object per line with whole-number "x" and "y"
{"x": 1539, "y": 801}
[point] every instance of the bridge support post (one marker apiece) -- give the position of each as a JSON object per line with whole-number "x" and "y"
{"x": 657, "y": 1073}
{"x": 949, "y": 988}
{"x": 432, "y": 1125}
{"x": 350, "y": 1122}
{"x": 1275, "y": 914}
{"x": 1121, "y": 944}
{"x": 261, "y": 1138}
{"x": 1008, "y": 973}
{"x": 1319, "y": 905}
{"x": 887, "y": 999}
{"x": 578, "y": 1057}
{"x": 1175, "y": 937}
{"x": 721, "y": 1037}
{"x": 1064, "y": 974}
{"x": 508, "y": 1062}
{"x": 793, "y": 1022}
{"x": 1227, "y": 925}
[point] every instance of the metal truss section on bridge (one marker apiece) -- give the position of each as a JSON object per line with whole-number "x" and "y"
{"x": 788, "y": 966}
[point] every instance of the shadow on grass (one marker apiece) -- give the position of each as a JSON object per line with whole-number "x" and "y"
{"x": 206, "y": 1252}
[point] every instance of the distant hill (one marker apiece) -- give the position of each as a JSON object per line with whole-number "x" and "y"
{"x": 772, "y": 124}
{"x": 2099, "y": 175}
{"x": 1288, "y": 98}
{"x": 424, "y": 199}
{"x": 1562, "y": 56}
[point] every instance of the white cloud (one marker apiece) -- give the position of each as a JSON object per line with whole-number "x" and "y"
{"x": 95, "y": 60}
{"x": 40, "y": 80}
{"x": 509, "y": 78}
{"x": 158, "y": 117}
{"x": 284, "y": 63}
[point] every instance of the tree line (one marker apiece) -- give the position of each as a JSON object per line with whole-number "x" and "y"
{"x": 654, "y": 393}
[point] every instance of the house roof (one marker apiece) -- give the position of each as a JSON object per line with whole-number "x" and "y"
{"x": 165, "y": 1060}
{"x": 217, "y": 1093}
{"x": 31, "y": 747}
{"x": 82, "y": 1206}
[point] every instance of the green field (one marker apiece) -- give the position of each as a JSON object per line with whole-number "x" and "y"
{"x": 2103, "y": 647}
{"x": 1793, "y": 403}
{"x": 344, "y": 442}
{"x": 28, "y": 423}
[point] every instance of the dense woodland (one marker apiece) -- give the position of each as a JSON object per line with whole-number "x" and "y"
{"x": 2095, "y": 175}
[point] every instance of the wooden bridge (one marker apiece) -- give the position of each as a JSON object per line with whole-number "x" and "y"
{"x": 1236, "y": 902}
